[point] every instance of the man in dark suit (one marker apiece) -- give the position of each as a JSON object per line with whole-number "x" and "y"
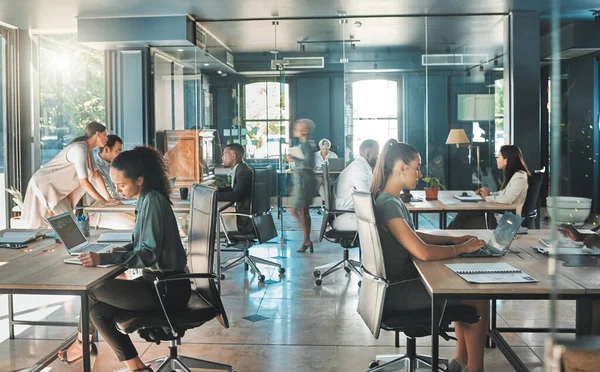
{"x": 240, "y": 190}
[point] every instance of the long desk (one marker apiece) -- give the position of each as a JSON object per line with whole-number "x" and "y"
{"x": 443, "y": 284}
{"x": 447, "y": 203}
{"x": 40, "y": 269}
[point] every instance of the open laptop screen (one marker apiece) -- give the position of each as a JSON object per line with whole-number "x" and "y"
{"x": 67, "y": 230}
{"x": 505, "y": 231}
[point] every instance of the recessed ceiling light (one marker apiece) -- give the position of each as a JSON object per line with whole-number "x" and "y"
{"x": 219, "y": 72}
{"x": 358, "y": 24}
{"x": 206, "y": 64}
{"x": 223, "y": 74}
{"x": 180, "y": 50}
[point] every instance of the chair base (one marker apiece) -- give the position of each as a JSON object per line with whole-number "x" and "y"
{"x": 389, "y": 363}
{"x": 346, "y": 263}
{"x": 174, "y": 362}
{"x": 410, "y": 361}
{"x": 249, "y": 261}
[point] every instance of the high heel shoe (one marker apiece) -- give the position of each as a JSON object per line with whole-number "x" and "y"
{"x": 93, "y": 354}
{"x": 305, "y": 247}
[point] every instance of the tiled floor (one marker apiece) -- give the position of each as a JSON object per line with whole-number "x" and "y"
{"x": 305, "y": 327}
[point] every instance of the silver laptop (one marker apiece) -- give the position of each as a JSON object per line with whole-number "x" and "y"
{"x": 72, "y": 238}
{"x": 336, "y": 164}
{"x": 501, "y": 239}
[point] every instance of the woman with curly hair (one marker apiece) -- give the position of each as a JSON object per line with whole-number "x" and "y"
{"x": 156, "y": 247}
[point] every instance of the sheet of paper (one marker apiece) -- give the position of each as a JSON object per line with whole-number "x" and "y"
{"x": 492, "y": 278}
{"x": 482, "y": 268}
{"x": 296, "y": 152}
{"x": 115, "y": 237}
{"x": 75, "y": 261}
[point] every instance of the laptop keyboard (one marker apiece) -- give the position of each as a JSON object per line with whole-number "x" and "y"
{"x": 92, "y": 248}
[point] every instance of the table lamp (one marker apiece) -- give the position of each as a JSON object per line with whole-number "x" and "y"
{"x": 459, "y": 137}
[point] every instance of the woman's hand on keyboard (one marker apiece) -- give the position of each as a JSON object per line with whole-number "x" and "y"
{"x": 89, "y": 259}
{"x": 463, "y": 239}
{"x": 472, "y": 245}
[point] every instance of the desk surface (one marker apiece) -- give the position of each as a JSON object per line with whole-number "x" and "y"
{"x": 42, "y": 269}
{"x": 447, "y": 202}
{"x": 587, "y": 277}
{"x": 441, "y": 280}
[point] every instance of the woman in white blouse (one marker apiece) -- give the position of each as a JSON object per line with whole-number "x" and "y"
{"x": 513, "y": 190}
{"x": 323, "y": 154}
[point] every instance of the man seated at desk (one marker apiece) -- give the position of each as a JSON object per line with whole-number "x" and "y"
{"x": 240, "y": 191}
{"x": 355, "y": 177}
{"x": 103, "y": 158}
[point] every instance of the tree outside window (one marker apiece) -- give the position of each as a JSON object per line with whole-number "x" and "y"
{"x": 267, "y": 119}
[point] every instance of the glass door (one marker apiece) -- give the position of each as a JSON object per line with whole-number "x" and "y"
{"x": 3, "y": 198}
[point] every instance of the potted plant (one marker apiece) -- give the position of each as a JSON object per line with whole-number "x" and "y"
{"x": 16, "y": 222}
{"x": 434, "y": 186}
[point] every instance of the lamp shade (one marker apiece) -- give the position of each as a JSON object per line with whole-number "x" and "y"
{"x": 457, "y": 137}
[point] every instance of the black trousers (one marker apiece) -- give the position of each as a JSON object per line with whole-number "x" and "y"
{"x": 117, "y": 296}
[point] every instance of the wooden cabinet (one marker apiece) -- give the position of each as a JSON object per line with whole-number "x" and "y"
{"x": 190, "y": 155}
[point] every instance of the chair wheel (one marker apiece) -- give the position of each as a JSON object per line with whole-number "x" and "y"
{"x": 261, "y": 278}
{"x": 281, "y": 270}
{"x": 347, "y": 269}
{"x": 373, "y": 364}
{"x": 222, "y": 276}
{"x": 318, "y": 282}
{"x": 317, "y": 273}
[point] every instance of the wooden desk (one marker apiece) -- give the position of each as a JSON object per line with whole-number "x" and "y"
{"x": 443, "y": 284}
{"x": 447, "y": 203}
{"x": 42, "y": 271}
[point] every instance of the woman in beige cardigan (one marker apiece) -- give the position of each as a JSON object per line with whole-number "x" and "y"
{"x": 513, "y": 190}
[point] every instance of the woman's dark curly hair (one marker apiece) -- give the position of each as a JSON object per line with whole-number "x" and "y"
{"x": 148, "y": 163}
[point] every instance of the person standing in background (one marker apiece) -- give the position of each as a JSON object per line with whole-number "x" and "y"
{"x": 305, "y": 183}
{"x": 59, "y": 184}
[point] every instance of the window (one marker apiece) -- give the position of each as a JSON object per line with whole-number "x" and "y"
{"x": 71, "y": 83}
{"x": 375, "y": 111}
{"x": 267, "y": 119}
{"x": 501, "y": 136}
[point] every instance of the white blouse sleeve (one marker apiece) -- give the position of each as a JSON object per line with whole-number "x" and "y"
{"x": 77, "y": 155}
{"x": 515, "y": 187}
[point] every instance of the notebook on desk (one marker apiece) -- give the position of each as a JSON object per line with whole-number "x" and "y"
{"x": 490, "y": 273}
{"x": 469, "y": 198}
{"x": 20, "y": 237}
{"x": 125, "y": 236}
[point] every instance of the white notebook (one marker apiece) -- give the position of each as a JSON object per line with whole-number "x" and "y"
{"x": 19, "y": 236}
{"x": 490, "y": 273}
{"x": 296, "y": 152}
{"x": 472, "y": 198}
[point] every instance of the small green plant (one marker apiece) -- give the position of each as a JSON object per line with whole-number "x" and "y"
{"x": 17, "y": 198}
{"x": 433, "y": 182}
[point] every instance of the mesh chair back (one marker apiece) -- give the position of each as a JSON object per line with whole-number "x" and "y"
{"x": 261, "y": 190}
{"x": 533, "y": 194}
{"x": 371, "y": 294}
{"x": 201, "y": 245}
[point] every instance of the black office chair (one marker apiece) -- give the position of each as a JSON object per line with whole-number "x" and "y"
{"x": 347, "y": 239}
{"x": 530, "y": 209}
{"x": 264, "y": 227}
{"x": 205, "y": 303}
{"x": 371, "y": 299}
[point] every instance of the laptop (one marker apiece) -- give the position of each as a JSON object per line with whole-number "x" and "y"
{"x": 501, "y": 239}
{"x": 72, "y": 238}
{"x": 336, "y": 164}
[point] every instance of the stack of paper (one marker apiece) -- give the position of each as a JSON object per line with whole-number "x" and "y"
{"x": 20, "y": 236}
{"x": 490, "y": 273}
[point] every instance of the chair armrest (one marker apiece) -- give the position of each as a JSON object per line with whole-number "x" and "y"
{"x": 236, "y": 214}
{"x": 339, "y": 211}
{"x": 172, "y": 278}
{"x": 187, "y": 276}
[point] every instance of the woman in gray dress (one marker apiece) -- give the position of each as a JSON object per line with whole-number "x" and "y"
{"x": 399, "y": 167}
{"x": 305, "y": 183}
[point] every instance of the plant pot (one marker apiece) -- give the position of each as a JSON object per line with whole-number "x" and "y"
{"x": 431, "y": 193}
{"x": 17, "y": 223}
